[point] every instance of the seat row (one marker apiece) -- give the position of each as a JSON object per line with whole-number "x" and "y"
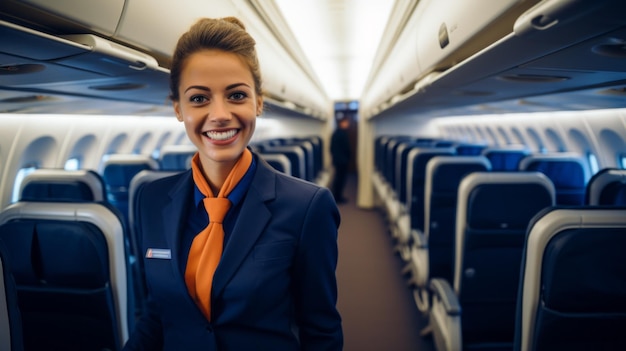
{"x": 72, "y": 270}
{"x": 461, "y": 230}
{"x": 566, "y": 289}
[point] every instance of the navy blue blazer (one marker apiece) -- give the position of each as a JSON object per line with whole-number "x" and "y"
{"x": 275, "y": 286}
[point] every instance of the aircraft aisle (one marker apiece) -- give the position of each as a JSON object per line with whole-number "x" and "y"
{"x": 376, "y": 306}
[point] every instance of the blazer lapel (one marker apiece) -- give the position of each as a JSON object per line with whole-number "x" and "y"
{"x": 252, "y": 219}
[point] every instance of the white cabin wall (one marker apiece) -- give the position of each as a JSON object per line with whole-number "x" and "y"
{"x": 50, "y": 140}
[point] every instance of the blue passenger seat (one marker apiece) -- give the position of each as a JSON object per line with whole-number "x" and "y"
{"x": 294, "y": 153}
{"x": 176, "y": 157}
{"x": 493, "y": 212}
{"x": 280, "y": 162}
{"x": 413, "y": 217}
{"x": 70, "y": 268}
{"x": 505, "y": 159}
{"x": 568, "y": 172}
{"x": 469, "y": 149}
{"x": 607, "y": 187}
{"x": 572, "y": 294}
{"x": 11, "y": 338}
{"x": 432, "y": 253}
{"x": 62, "y": 185}
{"x": 117, "y": 171}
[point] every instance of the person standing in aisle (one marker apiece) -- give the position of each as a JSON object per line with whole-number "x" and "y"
{"x": 340, "y": 152}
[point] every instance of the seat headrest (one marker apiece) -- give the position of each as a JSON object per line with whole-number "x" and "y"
{"x": 582, "y": 272}
{"x": 62, "y": 185}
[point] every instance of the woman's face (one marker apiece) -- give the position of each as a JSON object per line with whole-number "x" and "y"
{"x": 218, "y": 105}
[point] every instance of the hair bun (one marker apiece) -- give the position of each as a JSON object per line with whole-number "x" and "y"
{"x": 234, "y": 20}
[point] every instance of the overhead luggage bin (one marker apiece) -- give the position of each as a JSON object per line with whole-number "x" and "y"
{"x": 439, "y": 35}
{"x": 84, "y": 64}
{"x": 559, "y": 47}
{"x": 100, "y": 16}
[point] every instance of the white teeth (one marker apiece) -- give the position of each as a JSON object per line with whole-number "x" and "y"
{"x": 221, "y": 135}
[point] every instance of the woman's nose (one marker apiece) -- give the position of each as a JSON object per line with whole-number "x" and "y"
{"x": 218, "y": 110}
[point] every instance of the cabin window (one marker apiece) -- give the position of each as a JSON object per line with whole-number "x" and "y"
{"x": 519, "y": 138}
{"x": 141, "y": 143}
{"x": 593, "y": 163}
{"x": 156, "y": 153}
{"x": 555, "y": 141}
{"x": 504, "y": 135}
{"x": 73, "y": 164}
{"x": 537, "y": 140}
{"x": 21, "y": 174}
{"x": 492, "y": 136}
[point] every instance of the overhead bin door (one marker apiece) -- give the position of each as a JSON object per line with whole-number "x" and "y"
{"x": 100, "y": 16}
{"x": 453, "y": 30}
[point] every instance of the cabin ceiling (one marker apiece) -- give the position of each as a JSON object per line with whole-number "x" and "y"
{"x": 579, "y": 64}
{"x": 339, "y": 39}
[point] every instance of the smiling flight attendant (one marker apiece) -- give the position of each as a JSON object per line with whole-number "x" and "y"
{"x": 237, "y": 255}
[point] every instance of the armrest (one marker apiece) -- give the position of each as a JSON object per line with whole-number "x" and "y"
{"x": 442, "y": 289}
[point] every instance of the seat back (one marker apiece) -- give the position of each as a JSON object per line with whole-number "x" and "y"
{"x": 389, "y": 168}
{"x": 469, "y": 149}
{"x": 280, "y": 162}
{"x": 505, "y": 159}
{"x": 117, "y": 171}
{"x": 573, "y": 288}
{"x": 62, "y": 185}
{"x": 493, "y": 211}
{"x": 69, "y": 264}
{"x": 400, "y": 172}
{"x": 309, "y": 157}
{"x": 568, "y": 172}
{"x": 10, "y": 319}
{"x": 418, "y": 158}
{"x": 318, "y": 153}
{"x": 176, "y": 157}
{"x": 607, "y": 187}
{"x": 296, "y": 157}
{"x": 443, "y": 176}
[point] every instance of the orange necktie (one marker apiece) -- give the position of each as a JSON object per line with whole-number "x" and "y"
{"x": 206, "y": 248}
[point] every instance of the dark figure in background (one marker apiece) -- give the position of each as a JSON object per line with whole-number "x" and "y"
{"x": 340, "y": 152}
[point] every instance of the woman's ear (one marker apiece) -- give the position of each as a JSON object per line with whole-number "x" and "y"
{"x": 259, "y": 106}
{"x": 179, "y": 115}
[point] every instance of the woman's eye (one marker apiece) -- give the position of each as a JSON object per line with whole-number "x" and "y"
{"x": 238, "y": 96}
{"x": 198, "y": 99}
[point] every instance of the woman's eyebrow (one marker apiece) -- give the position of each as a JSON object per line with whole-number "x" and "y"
{"x": 235, "y": 85}
{"x": 199, "y": 87}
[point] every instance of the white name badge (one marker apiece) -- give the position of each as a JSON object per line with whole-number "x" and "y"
{"x": 163, "y": 254}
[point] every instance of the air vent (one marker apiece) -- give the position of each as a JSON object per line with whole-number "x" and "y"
{"x": 532, "y": 78}
{"x": 20, "y": 69}
{"x": 118, "y": 87}
{"x": 472, "y": 93}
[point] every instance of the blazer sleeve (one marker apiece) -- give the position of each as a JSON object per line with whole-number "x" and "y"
{"x": 148, "y": 332}
{"x": 314, "y": 276}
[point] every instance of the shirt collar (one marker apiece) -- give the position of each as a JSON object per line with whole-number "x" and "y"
{"x": 236, "y": 194}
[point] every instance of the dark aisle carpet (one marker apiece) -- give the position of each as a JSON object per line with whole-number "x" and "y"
{"x": 377, "y": 307}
